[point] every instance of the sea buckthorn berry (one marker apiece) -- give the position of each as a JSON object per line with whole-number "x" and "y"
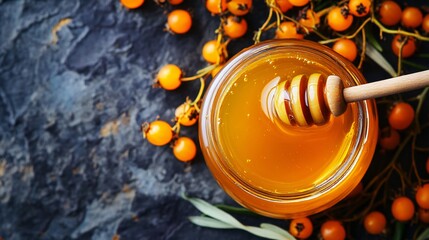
{"x": 179, "y": 21}
{"x": 412, "y": 17}
{"x": 211, "y": 52}
{"x": 332, "y": 230}
{"x": 375, "y": 222}
{"x": 239, "y": 7}
{"x": 346, "y": 48}
{"x": 169, "y": 77}
{"x": 359, "y": 8}
{"x": 403, "y": 209}
{"x": 186, "y": 114}
{"x": 299, "y": 3}
{"x": 424, "y": 215}
{"x": 310, "y": 20}
{"x": 288, "y": 30}
{"x": 132, "y": 4}
{"x": 389, "y": 139}
{"x": 157, "y": 132}
{"x": 175, "y": 2}
{"x": 284, "y": 5}
{"x": 401, "y": 116}
{"x": 408, "y": 49}
{"x": 235, "y": 27}
{"x": 184, "y": 149}
{"x": 339, "y": 19}
{"x": 301, "y": 228}
{"x": 425, "y": 23}
{"x": 422, "y": 196}
{"x": 390, "y": 13}
{"x": 213, "y": 6}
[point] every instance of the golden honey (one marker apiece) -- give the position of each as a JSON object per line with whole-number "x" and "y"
{"x": 280, "y": 170}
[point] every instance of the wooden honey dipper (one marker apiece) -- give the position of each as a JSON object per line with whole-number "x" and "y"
{"x": 305, "y": 101}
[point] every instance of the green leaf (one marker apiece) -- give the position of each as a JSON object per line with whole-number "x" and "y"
{"x": 209, "y": 222}
{"x": 232, "y": 209}
{"x": 372, "y": 40}
{"x": 214, "y": 212}
{"x": 277, "y": 229}
{"x": 423, "y": 55}
{"x": 399, "y": 230}
{"x": 414, "y": 65}
{"x": 265, "y": 233}
{"x": 375, "y": 55}
{"x": 261, "y": 232}
{"x": 424, "y": 235}
{"x": 222, "y": 220}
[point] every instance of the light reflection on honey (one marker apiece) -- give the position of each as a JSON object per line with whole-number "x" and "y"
{"x": 273, "y": 157}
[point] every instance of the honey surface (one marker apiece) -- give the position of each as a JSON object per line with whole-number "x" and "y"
{"x": 272, "y": 159}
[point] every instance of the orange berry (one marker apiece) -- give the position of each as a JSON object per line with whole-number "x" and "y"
{"x": 288, "y": 30}
{"x": 179, "y": 21}
{"x": 375, "y": 222}
{"x": 310, "y": 21}
{"x": 132, "y": 4}
{"x": 184, "y": 149}
{"x": 299, "y": 3}
{"x": 239, "y": 7}
{"x": 339, "y": 21}
{"x": 332, "y": 230}
{"x": 186, "y": 115}
{"x": 301, "y": 228}
{"x": 158, "y": 133}
{"x": 284, "y": 5}
{"x": 401, "y": 116}
{"x": 425, "y": 24}
{"x": 424, "y": 215}
{"x": 412, "y": 17}
{"x": 346, "y": 48}
{"x": 390, "y": 13}
{"x": 422, "y": 196}
{"x": 403, "y": 209}
{"x": 359, "y": 8}
{"x": 235, "y": 27}
{"x": 389, "y": 139}
{"x": 210, "y": 51}
{"x": 408, "y": 49}
{"x": 213, "y": 6}
{"x": 175, "y": 2}
{"x": 169, "y": 77}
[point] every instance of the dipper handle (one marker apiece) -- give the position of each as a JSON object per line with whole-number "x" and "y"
{"x": 386, "y": 87}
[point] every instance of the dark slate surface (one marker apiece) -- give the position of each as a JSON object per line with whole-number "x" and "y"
{"x": 61, "y": 176}
{"x": 73, "y": 164}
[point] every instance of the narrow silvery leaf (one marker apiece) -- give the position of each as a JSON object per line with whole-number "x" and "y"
{"x": 209, "y": 222}
{"x": 278, "y": 230}
{"x": 214, "y": 212}
{"x": 378, "y": 58}
{"x": 265, "y": 233}
{"x": 424, "y": 235}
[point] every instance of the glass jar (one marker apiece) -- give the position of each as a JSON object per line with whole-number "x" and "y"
{"x": 284, "y": 171}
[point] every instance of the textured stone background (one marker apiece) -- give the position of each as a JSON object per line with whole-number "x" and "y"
{"x": 73, "y": 164}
